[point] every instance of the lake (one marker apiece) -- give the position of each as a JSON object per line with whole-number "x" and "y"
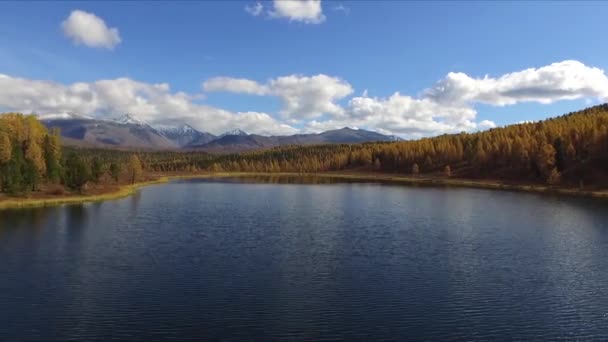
{"x": 240, "y": 259}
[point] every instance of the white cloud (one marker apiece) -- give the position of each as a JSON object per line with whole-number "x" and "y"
{"x": 302, "y": 96}
{"x": 88, "y": 29}
{"x": 486, "y": 124}
{"x": 261, "y": 123}
{"x": 403, "y": 115}
{"x": 234, "y": 85}
{"x": 312, "y": 102}
{"x": 565, "y": 80}
{"x": 44, "y": 96}
{"x": 447, "y": 107}
{"x": 154, "y": 103}
{"x": 255, "y": 9}
{"x": 306, "y": 11}
{"x": 309, "y": 97}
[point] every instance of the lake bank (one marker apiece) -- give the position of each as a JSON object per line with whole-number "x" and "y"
{"x": 127, "y": 190}
{"x": 35, "y": 202}
{"x": 427, "y": 181}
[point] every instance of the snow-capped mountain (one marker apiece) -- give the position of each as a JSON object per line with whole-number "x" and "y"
{"x": 130, "y": 119}
{"x": 180, "y": 129}
{"x": 234, "y": 132}
{"x": 185, "y": 134}
{"x": 129, "y": 131}
{"x": 239, "y": 143}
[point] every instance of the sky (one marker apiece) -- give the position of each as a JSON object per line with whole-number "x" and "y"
{"x": 412, "y": 69}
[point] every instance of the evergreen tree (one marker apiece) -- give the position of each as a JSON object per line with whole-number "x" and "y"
{"x": 30, "y": 175}
{"x": 115, "y": 171}
{"x": 5, "y": 158}
{"x": 77, "y": 173}
{"x": 560, "y": 153}
{"x": 52, "y": 156}
{"x": 12, "y": 177}
{"x": 5, "y": 148}
{"x": 96, "y": 169}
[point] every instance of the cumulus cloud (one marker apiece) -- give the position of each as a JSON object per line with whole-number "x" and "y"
{"x": 90, "y": 30}
{"x": 261, "y": 123}
{"x": 486, "y": 124}
{"x": 255, "y": 9}
{"x": 309, "y": 97}
{"x": 312, "y": 103}
{"x": 104, "y": 99}
{"x": 306, "y": 11}
{"x": 44, "y": 96}
{"x": 234, "y": 85}
{"x": 402, "y": 115}
{"x": 565, "y": 80}
{"x": 302, "y": 96}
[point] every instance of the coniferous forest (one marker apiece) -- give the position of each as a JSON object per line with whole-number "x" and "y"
{"x": 570, "y": 150}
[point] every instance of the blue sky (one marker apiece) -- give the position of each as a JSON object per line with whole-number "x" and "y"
{"x": 311, "y": 66}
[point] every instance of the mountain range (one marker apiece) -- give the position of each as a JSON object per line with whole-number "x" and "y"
{"x": 130, "y": 132}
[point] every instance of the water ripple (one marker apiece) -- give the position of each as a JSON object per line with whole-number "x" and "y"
{"x": 243, "y": 262}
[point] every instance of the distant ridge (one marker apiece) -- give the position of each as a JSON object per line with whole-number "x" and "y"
{"x": 234, "y": 132}
{"x": 237, "y": 143}
{"x": 129, "y": 119}
{"x": 126, "y": 131}
{"x": 129, "y": 131}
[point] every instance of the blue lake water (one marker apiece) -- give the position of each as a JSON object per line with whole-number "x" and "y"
{"x": 241, "y": 260}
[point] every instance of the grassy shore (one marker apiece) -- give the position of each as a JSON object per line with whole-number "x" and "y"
{"x": 127, "y": 190}
{"x": 32, "y": 202}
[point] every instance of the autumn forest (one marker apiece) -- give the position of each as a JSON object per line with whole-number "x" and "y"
{"x": 569, "y": 151}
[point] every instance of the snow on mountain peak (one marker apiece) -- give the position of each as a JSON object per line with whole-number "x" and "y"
{"x": 182, "y": 129}
{"x": 234, "y": 132}
{"x": 130, "y": 119}
{"x": 185, "y": 128}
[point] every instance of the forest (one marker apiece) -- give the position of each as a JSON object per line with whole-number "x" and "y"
{"x": 570, "y": 150}
{"x": 32, "y": 159}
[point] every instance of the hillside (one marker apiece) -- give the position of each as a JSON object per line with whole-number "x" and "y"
{"x": 126, "y": 133}
{"x": 247, "y": 142}
{"x": 130, "y": 132}
{"x": 570, "y": 149}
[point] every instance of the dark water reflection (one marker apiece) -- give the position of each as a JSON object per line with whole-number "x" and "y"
{"x": 287, "y": 179}
{"x": 243, "y": 260}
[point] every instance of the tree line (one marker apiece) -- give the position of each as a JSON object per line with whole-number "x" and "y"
{"x": 32, "y": 156}
{"x": 571, "y": 149}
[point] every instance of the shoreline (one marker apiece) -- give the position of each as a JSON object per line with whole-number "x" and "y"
{"x": 122, "y": 192}
{"x": 130, "y": 189}
{"x": 388, "y": 178}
